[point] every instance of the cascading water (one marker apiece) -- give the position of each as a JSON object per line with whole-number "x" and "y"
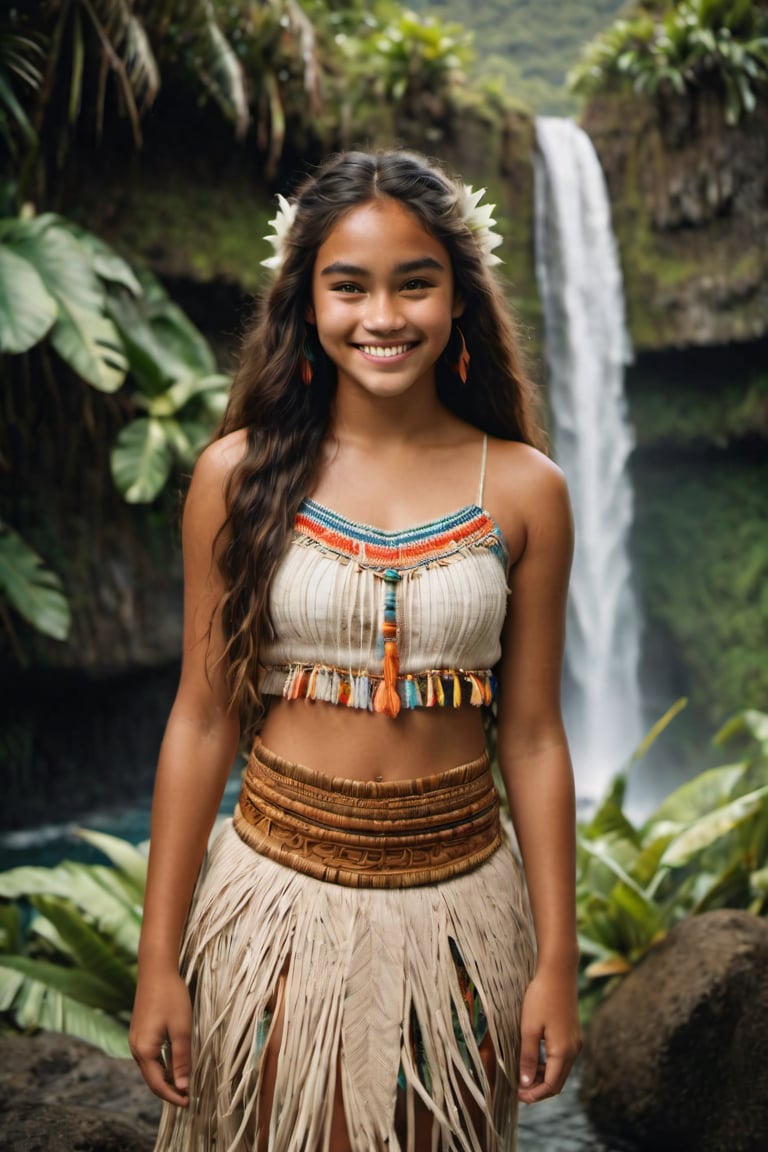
{"x": 586, "y": 348}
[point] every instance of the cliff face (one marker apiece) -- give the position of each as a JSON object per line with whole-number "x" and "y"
{"x": 689, "y": 200}
{"x": 690, "y": 210}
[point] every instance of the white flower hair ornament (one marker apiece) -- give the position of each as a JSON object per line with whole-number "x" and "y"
{"x": 479, "y": 219}
{"x": 281, "y": 225}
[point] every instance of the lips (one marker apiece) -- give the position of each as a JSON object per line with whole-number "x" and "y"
{"x": 385, "y": 351}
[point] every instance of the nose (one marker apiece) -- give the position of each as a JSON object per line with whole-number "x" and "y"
{"x": 383, "y": 313}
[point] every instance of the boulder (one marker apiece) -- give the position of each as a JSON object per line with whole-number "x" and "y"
{"x": 58, "y": 1094}
{"x": 676, "y": 1059}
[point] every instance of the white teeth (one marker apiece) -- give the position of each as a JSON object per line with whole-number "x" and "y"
{"x": 382, "y": 352}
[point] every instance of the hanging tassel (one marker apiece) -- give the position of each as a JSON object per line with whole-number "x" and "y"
{"x": 324, "y": 685}
{"x": 345, "y": 690}
{"x": 439, "y": 692}
{"x": 386, "y": 698}
{"x": 478, "y": 696}
{"x": 430, "y": 690}
{"x": 298, "y": 684}
{"x": 410, "y": 689}
{"x": 312, "y": 687}
{"x": 288, "y": 683}
{"x": 456, "y": 690}
{"x": 361, "y": 697}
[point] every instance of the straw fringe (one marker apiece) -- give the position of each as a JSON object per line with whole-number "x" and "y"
{"x": 357, "y": 966}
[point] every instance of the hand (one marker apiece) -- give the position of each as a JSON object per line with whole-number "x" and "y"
{"x": 550, "y": 1036}
{"x": 160, "y": 1032}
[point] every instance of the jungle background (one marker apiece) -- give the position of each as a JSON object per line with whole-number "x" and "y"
{"x": 142, "y": 145}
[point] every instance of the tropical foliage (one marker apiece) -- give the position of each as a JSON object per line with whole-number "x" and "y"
{"x": 64, "y": 291}
{"x": 31, "y": 589}
{"x": 526, "y": 48}
{"x": 704, "y": 847}
{"x": 685, "y": 45}
{"x": 308, "y": 71}
{"x": 68, "y": 942}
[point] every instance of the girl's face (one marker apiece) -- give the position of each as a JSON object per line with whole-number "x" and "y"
{"x": 383, "y": 299}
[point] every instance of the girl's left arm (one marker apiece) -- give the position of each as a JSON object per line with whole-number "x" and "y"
{"x": 536, "y": 769}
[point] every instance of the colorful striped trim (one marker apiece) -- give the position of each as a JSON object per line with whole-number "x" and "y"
{"x": 438, "y": 688}
{"x": 425, "y": 544}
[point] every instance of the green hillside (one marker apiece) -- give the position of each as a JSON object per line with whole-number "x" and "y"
{"x": 529, "y": 44}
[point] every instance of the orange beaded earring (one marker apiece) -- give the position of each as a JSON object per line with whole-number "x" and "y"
{"x": 306, "y": 363}
{"x": 460, "y": 364}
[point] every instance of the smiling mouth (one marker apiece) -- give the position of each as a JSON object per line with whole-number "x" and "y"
{"x": 385, "y": 351}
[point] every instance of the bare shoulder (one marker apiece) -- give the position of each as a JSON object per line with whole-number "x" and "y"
{"x": 206, "y": 499}
{"x": 216, "y": 462}
{"x": 527, "y": 495}
{"x": 525, "y": 469}
{"x": 524, "y": 491}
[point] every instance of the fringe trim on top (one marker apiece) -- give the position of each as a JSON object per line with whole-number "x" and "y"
{"x": 354, "y": 973}
{"x": 439, "y": 688}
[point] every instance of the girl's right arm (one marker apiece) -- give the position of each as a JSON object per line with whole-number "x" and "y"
{"x": 197, "y": 753}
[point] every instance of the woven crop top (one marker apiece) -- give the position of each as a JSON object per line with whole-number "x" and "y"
{"x": 387, "y": 620}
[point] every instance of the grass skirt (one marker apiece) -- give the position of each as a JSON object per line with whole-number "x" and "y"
{"x": 367, "y": 984}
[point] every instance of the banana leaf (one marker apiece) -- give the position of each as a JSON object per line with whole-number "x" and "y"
{"x": 36, "y": 1003}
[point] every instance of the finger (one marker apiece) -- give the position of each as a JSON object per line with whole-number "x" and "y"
{"x": 531, "y": 1060}
{"x": 178, "y": 1059}
{"x": 551, "y": 1081}
{"x": 154, "y": 1066}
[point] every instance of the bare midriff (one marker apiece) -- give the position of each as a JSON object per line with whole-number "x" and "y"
{"x": 360, "y": 745}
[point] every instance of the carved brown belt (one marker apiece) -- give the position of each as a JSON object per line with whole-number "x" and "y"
{"x": 369, "y": 834}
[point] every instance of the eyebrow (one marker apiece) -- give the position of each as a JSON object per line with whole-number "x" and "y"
{"x": 423, "y": 263}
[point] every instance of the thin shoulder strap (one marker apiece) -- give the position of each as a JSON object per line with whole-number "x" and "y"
{"x": 483, "y": 462}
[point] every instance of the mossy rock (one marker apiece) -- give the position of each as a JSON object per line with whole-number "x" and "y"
{"x": 690, "y": 214}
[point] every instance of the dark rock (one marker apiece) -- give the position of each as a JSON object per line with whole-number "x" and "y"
{"x": 690, "y": 213}
{"x": 676, "y": 1059}
{"x": 58, "y": 1094}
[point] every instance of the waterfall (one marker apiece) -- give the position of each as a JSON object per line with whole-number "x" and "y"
{"x": 586, "y": 349}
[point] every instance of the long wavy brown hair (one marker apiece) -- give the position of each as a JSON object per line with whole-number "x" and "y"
{"x": 287, "y": 421}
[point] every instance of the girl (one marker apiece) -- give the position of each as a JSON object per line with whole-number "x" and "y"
{"x": 373, "y": 548}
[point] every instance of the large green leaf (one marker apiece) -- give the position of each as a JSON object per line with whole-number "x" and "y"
{"x": 127, "y": 858}
{"x": 714, "y": 826}
{"x": 106, "y": 262}
{"x": 697, "y": 797}
{"x": 603, "y": 851}
{"x": 65, "y": 265}
{"x": 30, "y": 588}
{"x": 119, "y": 885}
{"x": 213, "y": 387}
{"x": 27, "y": 309}
{"x": 90, "y": 950}
{"x": 82, "y": 334}
{"x": 750, "y": 722}
{"x": 111, "y": 912}
{"x": 163, "y": 345}
{"x": 91, "y": 345}
{"x": 141, "y": 460}
{"x": 35, "y": 1004}
{"x": 10, "y": 928}
{"x": 76, "y": 983}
